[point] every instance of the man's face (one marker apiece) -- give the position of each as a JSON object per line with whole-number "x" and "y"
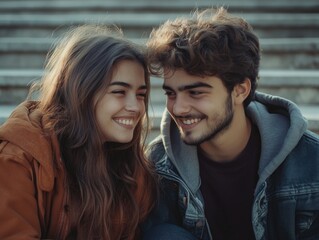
{"x": 201, "y": 106}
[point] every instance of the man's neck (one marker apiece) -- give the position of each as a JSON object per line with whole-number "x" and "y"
{"x": 230, "y": 143}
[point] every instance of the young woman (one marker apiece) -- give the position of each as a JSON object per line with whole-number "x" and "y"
{"x": 72, "y": 163}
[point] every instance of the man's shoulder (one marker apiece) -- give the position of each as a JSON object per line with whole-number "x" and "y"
{"x": 299, "y": 173}
{"x": 303, "y": 160}
{"x": 311, "y": 138}
{"x": 309, "y": 144}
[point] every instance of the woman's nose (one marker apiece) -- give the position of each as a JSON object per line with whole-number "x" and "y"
{"x": 133, "y": 104}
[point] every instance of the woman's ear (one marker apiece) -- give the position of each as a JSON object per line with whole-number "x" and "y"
{"x": 241, "y": 91}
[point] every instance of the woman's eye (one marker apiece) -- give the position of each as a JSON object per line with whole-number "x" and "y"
{"x": 120, "y": 92}
{"x": 142, "y": 95}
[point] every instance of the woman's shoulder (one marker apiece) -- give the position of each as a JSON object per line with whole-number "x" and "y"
{"x": 23, "y": 142}
{"x": 23, "y": 130}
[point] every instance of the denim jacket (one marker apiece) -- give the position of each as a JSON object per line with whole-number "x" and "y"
{"x": 286, "y": 199}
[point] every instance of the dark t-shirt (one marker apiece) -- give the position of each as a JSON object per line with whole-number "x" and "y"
{"x": 228, "y": 191}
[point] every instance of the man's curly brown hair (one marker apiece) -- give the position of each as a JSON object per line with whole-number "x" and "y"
{"x": 211, "y": 43}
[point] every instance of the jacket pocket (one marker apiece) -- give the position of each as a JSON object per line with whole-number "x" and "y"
{"x": 307, "y": 225}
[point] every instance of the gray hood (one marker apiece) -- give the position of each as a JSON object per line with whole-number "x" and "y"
{"x": 183, "y": 156}
{"x": 280, "y": 123}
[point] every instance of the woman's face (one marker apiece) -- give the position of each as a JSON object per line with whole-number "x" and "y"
{"x": 122, "y": 105}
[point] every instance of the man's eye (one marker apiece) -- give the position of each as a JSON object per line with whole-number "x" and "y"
{"x": 169, "y": 93}
{"x": 195, "y": 92}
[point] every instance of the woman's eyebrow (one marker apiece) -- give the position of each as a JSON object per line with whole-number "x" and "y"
{"x": 127, "y": 85}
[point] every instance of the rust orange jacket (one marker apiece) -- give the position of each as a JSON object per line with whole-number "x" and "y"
{"x": 32, "y": 178}
{"x": 33, "y": 187}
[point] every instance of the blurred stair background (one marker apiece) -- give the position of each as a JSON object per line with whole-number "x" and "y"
{"x": 288, "y": 29}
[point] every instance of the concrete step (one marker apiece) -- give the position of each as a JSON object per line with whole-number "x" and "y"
{"x": 14, "y": 84}
{"x": 310, "y": 112}
{"x": 300, "y": 86}
{"x": 139, "y": 24}
{"x": 149, "y": 5}
{"x": 283, "y": 53}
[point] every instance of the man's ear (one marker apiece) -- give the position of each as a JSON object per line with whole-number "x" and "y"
{"x": 241, "y": 91}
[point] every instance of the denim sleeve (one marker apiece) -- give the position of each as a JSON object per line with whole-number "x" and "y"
{"x": 166, "y": 208}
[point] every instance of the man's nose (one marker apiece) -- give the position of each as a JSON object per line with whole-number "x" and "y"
{"x": 181, "y": 106}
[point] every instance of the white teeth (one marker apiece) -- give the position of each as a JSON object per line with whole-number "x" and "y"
{"x": 191, "y": 121}
{"x": 128, "y": 122}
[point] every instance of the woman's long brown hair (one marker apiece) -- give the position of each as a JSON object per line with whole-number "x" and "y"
{"x": 111, "y": 186}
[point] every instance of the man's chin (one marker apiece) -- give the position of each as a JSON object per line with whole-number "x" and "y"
{"x": 193, "y": 140}
{"x": 189, "y": 141}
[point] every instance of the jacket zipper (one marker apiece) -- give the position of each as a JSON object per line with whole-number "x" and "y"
{"x": 175, "y": 178}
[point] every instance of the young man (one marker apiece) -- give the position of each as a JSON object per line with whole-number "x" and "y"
{"x": 234, "y": 163}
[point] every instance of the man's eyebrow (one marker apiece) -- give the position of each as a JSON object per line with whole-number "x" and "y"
{"x": 127, "y": 85}
{"x": 167, "y": 88}
{"x": 188, "y": 87}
